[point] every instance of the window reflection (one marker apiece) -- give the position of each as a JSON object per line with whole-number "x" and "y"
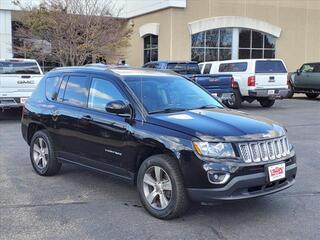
{"x": 150, "y": 48}
{"x": 76, "y": 92}
{"x": 212, "y": 45}
{"x": 101, "y": 93}
{"x": 255, "y": 45}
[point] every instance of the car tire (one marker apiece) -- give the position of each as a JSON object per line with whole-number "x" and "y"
{"x": 312, "y": 95}
{"x": 236, "y": 100}
{"x": 291, "y": 91}
{"x": 266, "y": 103}
{"x": 154, "y": 190}
{"x": 42, "y": 154}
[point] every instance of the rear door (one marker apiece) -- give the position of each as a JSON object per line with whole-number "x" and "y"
{"x": 68, "y": 114}
{"x": 17, "y": 76}
{"x": 270, "y": 74}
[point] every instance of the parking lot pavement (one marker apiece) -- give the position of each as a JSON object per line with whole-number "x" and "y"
{"x": 81, "y": 204}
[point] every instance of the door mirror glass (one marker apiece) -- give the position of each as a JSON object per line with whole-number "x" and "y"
{"x": 119, "y": 107}
{"x": 298, "y": 72}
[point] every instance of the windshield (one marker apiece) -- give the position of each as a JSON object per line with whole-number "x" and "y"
{"x": 184, "y": 68}
{"x": 170, "y": 94}
{"x": 18, "y": 67}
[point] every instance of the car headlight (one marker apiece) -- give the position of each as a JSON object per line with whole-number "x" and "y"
{"x": 214, "y": 150}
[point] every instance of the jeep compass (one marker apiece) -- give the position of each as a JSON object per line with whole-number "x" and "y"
{"x": 159, "y": 131}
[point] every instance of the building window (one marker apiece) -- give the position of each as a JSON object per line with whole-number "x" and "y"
{"x": 254, "y": 44}
{"x": 212, "y": 45}
{"x": 150, "y": 49}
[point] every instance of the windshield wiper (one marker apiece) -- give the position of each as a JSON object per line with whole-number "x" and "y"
{"x": 168, "y": 110}
{"x": 206, "y": 107}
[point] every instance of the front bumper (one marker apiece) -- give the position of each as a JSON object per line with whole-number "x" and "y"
{"x": 269, "y": 93}
{"x": 245, "y": 186}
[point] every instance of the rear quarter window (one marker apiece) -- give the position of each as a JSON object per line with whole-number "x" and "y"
{"x": 233, "y": 67}
{"x": 51, "y": 87}
{"x": 270, "y": 66}
{"x": 12, "y": 67}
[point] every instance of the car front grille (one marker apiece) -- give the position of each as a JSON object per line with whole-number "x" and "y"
{"x": 262, "y": 151}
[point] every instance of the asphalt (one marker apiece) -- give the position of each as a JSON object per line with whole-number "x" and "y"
{"x": 82, "y": 204}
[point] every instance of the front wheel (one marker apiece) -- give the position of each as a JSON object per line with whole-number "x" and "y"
{"x": 266, "y": 103}
{"x": 312, "y": 95}
{"x": 161, "y": 189}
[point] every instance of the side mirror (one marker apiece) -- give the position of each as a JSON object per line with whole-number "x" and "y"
{"x": 120, "y": 108}
{"x": 298, "y": 72}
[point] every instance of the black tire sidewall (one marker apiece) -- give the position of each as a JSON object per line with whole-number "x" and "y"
{"x": 267, "y": 103}
{"x": 52, "y": 164}
{"x": 157, "y": 161}
{"x": 291, "y": 91}
{"x": 312, "y": 95}
{"x": 237, "y": 100}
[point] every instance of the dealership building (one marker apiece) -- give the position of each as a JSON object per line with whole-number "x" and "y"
{"x": 211, "y": 30}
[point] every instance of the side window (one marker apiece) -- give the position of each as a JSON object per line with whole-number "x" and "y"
{"x": 151, "y": 65}
{"x": 76, "y": 91}
{"x": 102, "y": 92}
{"x": 307, "y": 68}
{"x": 233, "y": 67}
{"x": 207, "y": 68}
{"x": 51, "y": 87}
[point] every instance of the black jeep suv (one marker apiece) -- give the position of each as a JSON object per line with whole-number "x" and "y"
{"x": 159, "y": 131}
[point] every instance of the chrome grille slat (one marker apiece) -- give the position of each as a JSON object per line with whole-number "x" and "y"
{"x": 264, "y": 150}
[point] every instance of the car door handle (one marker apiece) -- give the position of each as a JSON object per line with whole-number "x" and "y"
{"x": 86, "y": 117}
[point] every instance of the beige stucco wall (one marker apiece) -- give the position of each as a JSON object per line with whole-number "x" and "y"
{"x": 299, "y": 20}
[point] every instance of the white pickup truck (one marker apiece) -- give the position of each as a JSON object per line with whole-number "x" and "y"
{"x": 263, "y": 80}
{"x": 18, "y": 79}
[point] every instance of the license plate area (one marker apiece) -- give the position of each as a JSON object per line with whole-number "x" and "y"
{"x": 23, "y": 100}
{"x": 275, "y": 172}
{"x": 271, "y": 92}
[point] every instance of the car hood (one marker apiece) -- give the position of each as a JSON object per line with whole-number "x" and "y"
{"x": 219, "y": 125}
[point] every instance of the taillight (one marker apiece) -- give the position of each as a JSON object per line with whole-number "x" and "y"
{"x": 232, "y": 82}
{"x": 251, "y": 81}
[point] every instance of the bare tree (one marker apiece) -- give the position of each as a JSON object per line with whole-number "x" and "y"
{"x": 77, "y": 30}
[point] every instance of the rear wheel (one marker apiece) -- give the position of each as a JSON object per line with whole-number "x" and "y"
{"x": 312, "y": 95}
{"x": 235, "y": 100}
{"x": 266, "y": 103}
{"x": 291, "y": 91}
{"x": 42, "y": 154}
{"x": 161, "y": 189}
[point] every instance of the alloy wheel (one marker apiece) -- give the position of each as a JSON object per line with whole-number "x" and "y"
{"x": 157, "y": 187}
{"x": 40, "y": 153}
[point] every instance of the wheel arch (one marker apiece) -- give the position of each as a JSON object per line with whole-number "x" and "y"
{"x": 32, "y": 129}
{"x": 151, "y": 150}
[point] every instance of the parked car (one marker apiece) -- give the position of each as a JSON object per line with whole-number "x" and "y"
{"x": 159, "y": 131}
{"x": 263, "y": 80}
{"x": 305, "y": 80}
{"x": 219, "y": 85}
{"x": 18, "y": 78}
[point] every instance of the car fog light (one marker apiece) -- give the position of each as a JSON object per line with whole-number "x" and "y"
{"x": 218, "y": 177}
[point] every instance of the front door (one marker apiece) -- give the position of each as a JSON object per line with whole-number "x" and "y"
{"x": 104, "y": 134}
